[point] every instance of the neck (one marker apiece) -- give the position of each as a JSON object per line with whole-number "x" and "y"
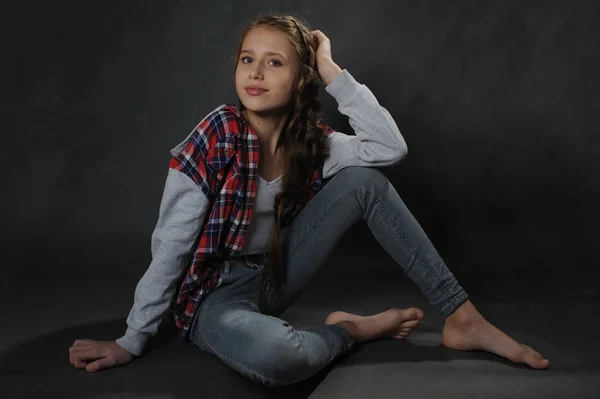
{"x": 268, "y": 126}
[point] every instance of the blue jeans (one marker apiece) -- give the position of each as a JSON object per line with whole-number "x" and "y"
{"x": 238, "y": 322}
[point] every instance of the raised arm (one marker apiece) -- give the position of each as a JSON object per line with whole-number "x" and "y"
{"x": 378, "y": 141}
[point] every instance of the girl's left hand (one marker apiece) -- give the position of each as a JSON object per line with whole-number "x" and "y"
{"x": 323, "y": 46}
{"x": 328, "y": 70}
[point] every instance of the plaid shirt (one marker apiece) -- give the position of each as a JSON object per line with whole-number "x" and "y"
{"x": 221, "y": 156}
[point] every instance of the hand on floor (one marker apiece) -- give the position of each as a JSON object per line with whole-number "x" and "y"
{"x": 97, "y": 355}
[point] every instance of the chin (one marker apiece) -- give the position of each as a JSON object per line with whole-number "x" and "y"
{"x": 261, "y": 105}
{"x": 257, "y": 104}
{"x": 251, "y": 106}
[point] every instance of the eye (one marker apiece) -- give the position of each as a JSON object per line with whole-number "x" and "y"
{"x": 243, "y": 58}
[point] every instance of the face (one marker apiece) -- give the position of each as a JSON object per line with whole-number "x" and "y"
{"x": 277, "y": 73}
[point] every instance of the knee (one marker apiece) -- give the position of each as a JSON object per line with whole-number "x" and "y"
{"x": 264, "y": 349}
{"x": 279, "y": 359}
{"x": 366, "y": 178}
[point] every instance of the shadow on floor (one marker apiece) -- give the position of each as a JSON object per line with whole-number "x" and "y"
{"x": 171, "y": 368}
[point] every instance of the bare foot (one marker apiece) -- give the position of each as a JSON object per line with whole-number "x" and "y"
{"x": 476, "y": 333}
{"x": 393, "y": 323}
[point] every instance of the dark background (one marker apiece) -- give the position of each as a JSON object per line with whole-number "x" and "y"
{"x": 497, "y": 100}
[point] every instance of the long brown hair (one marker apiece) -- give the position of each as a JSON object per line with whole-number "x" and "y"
{"x": 303, "y": 140}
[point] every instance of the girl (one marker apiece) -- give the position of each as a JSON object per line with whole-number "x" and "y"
{"x": 236, "y": 272}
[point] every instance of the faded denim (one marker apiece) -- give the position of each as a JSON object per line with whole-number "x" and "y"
{"x": 239, "y": 323}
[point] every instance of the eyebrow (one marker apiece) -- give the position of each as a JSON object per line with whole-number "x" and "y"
{"x": 268, "y": 53}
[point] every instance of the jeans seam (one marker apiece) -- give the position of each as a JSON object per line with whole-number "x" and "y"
{"x": 349, "y": 341}
{"x": 385, "y": 215}
{"x": 246, "y": 369}
{"x": 455, "y": 303}
{"x": 320, "y": 220}
{"x": 407, "y": 242}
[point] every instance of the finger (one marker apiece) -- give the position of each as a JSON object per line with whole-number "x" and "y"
{"x": 77, "y": 361}
{"x": 74, "y": 350}
{"x": 82, "y": 356}
{"x": 71, "y": 357}
{"x": 84, "y": 344}
{"x": 95, "y": 366}
{"x": 87, "y": 354}
{"x": 100, "y": 364}
{"x": 80, "y": 364}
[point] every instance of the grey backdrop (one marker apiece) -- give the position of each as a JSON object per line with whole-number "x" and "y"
{"x": 497, "y": 100}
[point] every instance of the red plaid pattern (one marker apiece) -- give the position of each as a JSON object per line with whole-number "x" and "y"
{"x": 229, "y": 181}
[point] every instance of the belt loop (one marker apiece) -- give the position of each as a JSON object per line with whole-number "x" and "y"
{"x": 226, "y": 266}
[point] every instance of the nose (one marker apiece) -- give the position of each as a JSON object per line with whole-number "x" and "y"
{"x": 255, "y": 71}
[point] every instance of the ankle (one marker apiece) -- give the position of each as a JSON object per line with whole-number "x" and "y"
{"x": 465, "y": 314}
{"x": 351, "y": 328}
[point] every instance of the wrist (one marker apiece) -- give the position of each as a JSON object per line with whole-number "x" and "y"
{"x": 329, "y": 71}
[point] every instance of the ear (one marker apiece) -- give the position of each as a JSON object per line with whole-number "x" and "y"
{"x": 300, "y": 83}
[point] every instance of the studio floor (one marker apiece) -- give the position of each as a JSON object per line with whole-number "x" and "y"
{"x": 44, "y": 311}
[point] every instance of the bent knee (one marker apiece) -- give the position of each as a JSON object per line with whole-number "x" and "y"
{"x": 363, "y": 176}
{"x": 273, "y": 354}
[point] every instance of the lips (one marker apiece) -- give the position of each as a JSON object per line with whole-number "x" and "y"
{"x": 254, "y": 91}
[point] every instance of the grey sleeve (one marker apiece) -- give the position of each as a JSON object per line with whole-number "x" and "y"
{"x": 378, "y": 141}
{"x": 182, "y": 210}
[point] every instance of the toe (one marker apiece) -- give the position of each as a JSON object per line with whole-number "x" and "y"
{"x": 412, "y": 314}
{"x": 416, "y": 313}
{"x": 534, "y": 359}
{"x": 420, "y": 314}
{"x": 537, "y": 361}
{"x": 533, "y": 350}
{"x": 410, "y": 324}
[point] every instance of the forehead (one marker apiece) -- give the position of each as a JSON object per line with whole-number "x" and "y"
{"x": 261, "y": 40}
